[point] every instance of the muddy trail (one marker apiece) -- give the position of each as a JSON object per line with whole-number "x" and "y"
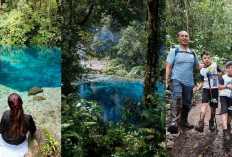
{"x": 191, "y": 143}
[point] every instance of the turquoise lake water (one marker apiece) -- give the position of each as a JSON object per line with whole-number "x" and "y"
{"x": 111, "y": 93}
{"x": 22, "y": 68}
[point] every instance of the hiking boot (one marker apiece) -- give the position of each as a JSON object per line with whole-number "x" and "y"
{"x": 173, "y": 128}
{"x": 211, "y": 125}
{"x": 175, "y": 115}
{"x": 226, "y": 137}
{"x": 200, "y": 126}
{"x": 186, "y": 124}
{"x": 184, "y": 118}
{"x": 228, "y": 127}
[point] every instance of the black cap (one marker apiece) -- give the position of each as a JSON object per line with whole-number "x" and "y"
{"x": 229, "y": 63}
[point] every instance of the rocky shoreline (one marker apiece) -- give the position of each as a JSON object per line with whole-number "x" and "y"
{"x": 96, "y": 64}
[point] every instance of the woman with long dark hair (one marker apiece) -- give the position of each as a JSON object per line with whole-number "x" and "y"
{"x": 14, "y": 127}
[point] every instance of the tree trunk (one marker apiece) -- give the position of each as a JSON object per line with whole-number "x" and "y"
{"x": 182, "y": 8}
{"x": 154, "y": 9}
{"x": 48, "y": 7}
{"x": 187, "y": 16}
{"x": 70, "y": 37}
{"x": 58, "y": 7}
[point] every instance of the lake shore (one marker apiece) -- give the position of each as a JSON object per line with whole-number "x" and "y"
{"x": 46, "y": 113}
{"x": 109, "y": 67}
{"x": 96, "y": 64}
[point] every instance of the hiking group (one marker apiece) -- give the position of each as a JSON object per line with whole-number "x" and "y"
{"x": 180, "y": 63}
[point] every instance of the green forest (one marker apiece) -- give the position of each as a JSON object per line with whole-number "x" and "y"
{"x": 144, "y": 27}
{"x": 31, "y": 28}
{"x": 140, "y": 25}
{"x": 142, "y": 32}
{"x": 30, "y": 22}
{"x": 208, "y": 23}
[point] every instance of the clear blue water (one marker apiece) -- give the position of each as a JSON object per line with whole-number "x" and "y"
{"x": 24, "y": 67}
{"x": 111, "y": 94}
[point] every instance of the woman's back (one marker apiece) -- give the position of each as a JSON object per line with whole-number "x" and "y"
{"x": 5, "y": 124}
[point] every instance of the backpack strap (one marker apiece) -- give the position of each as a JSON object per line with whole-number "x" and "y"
{"x": 177, "y": 51}
{"x": 194, "y": 54}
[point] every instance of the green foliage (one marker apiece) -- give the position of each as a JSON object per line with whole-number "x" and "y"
{"x": 78, "y": 18}
{"x": 132, "y": 46}
{"x": 48, "y": 30}
{"x": 23, "y": 25}
{"x": 208, "y": 23}
{"x": 82, "y": 126}
{"x": 13, "y": 27}
{"x": 128, "y": 56}
{"x": 49, "y": 149}
{"x": 220, "y": 62}
{"x": 118, "y": 68}
{"x": 85, "y": 133}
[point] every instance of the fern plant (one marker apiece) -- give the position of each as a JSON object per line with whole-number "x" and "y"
{"x": 49, "y": 149}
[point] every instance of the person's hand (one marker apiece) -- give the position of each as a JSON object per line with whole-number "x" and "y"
{"x": 166, "y": 85}
{"x": 201, "y": 66}
{"x": 195, "y": 89}
{"x": 218, "y": 74}
{"x": 229, "y": 86}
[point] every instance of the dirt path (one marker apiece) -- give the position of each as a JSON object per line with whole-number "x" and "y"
{"x": 190, "y": 143}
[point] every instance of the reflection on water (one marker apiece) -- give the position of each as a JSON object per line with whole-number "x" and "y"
{"x": 23, "y": 67}
{"x": 111, "y": 94}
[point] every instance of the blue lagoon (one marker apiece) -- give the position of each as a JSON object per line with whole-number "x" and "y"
{"x": 24, "y": 67}
{"x": 111, "y": 93}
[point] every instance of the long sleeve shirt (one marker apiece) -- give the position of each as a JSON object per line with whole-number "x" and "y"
{"x": 5, "y": 127}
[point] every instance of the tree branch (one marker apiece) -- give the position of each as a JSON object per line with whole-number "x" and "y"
{"x": 87, "y": 16}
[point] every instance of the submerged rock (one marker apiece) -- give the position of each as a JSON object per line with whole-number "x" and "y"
{"x": 35, "y": 90}
{"x": 38, "y": 98}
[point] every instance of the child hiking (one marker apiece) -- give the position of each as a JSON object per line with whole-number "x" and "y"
{"x": 209, "y": 82}
{"x": 225, "y": 87}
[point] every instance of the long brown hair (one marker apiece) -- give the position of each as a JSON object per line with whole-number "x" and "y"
{"x": 17, "y": 123}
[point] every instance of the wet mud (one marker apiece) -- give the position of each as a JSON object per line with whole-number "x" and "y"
{"x": 191, "y": 143}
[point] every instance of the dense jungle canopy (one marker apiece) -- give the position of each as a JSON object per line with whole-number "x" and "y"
{"x": 207, "y": 21}
{"x": 134, "y": 26}
{"x": 138, "y": 25}
{"x": 30, "y": 22}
